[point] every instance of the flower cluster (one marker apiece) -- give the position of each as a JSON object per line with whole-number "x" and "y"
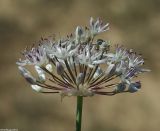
{"x": 80, "y": 65}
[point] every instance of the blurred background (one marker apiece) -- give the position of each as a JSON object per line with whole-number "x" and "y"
{"x": 133, "y": 23}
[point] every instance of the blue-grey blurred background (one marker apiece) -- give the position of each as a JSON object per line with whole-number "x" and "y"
{"x": 133, "y": 23}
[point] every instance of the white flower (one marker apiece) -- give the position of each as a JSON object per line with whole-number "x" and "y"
{"x": 120, "y": 55}
{"x": 89, "y": 56}
{"x": 97, "y": 26}
{"x": 35, "y": 56}
{"x": 135, "y": 60}
{"x": 62, "y": 52}
{"x": 132, "y": 66}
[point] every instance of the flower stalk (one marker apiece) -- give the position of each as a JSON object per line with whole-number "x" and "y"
{"x": 79, "y": 113}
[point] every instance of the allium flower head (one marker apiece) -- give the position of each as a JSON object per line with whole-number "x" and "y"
{"x": 80, "y": 65}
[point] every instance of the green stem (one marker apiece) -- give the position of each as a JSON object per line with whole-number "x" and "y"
{"x": 79, "y": 113}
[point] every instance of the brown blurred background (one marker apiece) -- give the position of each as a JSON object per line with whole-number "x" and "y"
{"x": 133, "y": 23}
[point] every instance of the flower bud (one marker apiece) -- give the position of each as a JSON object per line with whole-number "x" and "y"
{"x": 80, "y": 78}
{"x": 49, "y": 67}
{"x": 27, "y": 75}
{"x": 79, "y": 31}
{"x": 36, "y": 88}
{"x": 134, "y": 87}
{"x": 41, "y": 74}
{"x": 120, "y": 87}
{"x": 91, "y": 22}
{"x": 59, "y": 68}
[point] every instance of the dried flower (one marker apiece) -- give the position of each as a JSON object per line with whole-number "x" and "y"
{"x": 78, "y": 65}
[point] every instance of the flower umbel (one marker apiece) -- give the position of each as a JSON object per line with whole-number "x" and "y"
{"x": 79, "y": 65}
